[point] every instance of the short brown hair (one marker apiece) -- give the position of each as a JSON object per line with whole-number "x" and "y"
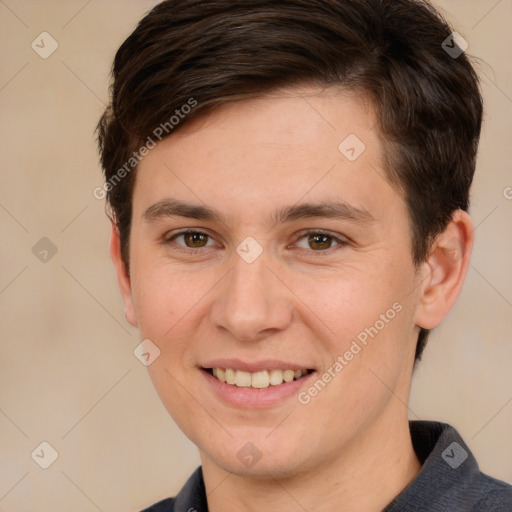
{"x": 393, "y": 51}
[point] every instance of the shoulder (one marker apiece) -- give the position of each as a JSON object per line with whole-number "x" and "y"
{"x": 191, "y": 498}
{"x": 450, "y": 478}
{"x": 166, "y": 505}
{"x": 496, "y": 496}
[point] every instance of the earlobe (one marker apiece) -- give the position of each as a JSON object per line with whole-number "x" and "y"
{"x": 123, "y": 278}
{"x": 445, "y": 270}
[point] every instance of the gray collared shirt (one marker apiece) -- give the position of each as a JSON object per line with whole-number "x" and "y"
{"x": 449, "y": 479}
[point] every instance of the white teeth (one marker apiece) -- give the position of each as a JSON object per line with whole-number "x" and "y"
{"x": 288, "y": 375}
{"x": 276, "y": 377}
{"x": 259, "y": 380}
{"x": 230, "y": 376}
{"x": 243, "y": 379}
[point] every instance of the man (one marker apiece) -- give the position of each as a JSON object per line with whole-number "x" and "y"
{"x": 289, "y": 186}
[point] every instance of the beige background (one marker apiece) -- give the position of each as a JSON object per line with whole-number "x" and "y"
{"x": 67, "y": 372}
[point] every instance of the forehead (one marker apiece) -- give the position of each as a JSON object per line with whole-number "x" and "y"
{"x": 296, "y": 143}
{"x": 300, "y": 118}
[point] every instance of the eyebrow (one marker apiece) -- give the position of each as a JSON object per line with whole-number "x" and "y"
{"x": 325, "y": 209}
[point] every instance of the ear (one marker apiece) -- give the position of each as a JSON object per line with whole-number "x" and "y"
{"x": 123, "y": 278}
{"x": 444, "y": 271}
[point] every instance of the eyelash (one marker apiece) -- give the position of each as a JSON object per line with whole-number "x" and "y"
{"x": 303, "y": 234}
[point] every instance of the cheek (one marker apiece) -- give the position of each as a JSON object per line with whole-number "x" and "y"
{"x": 170, "y": 306}
{"x": 154, "y": 305}
{"x": 365, "y": 316}
{"x": 178, "y": 398}
{"x": 349, "y": 300}
{"x": 160, "y": 294}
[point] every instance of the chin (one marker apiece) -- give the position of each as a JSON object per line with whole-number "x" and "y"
{"x": 254, "y": 461}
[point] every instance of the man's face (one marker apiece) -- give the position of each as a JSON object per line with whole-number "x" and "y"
{"x": 307, "y": 289}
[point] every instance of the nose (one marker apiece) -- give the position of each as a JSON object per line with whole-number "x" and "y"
{"x": 252, "y": 302}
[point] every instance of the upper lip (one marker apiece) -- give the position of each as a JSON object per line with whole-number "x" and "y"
{"x": 254, "y": 366}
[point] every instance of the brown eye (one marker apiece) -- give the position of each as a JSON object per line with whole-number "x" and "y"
{"x": 320, "y": 241}
{"x": 191, "y": 239}
{"x": 195, "y": 239}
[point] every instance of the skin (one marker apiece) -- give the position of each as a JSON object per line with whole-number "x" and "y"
{"x": 349, "y": 448}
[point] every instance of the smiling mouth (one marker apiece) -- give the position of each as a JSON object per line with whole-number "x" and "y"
{"x": 257, "y": 380}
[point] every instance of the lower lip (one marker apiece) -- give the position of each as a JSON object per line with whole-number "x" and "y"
{"x": 252, "y": 398}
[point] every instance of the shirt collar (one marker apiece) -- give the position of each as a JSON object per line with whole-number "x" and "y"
{"x": 448, "y": 467}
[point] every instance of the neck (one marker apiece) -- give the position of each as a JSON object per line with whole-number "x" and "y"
{"x": 367, "y": 476}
